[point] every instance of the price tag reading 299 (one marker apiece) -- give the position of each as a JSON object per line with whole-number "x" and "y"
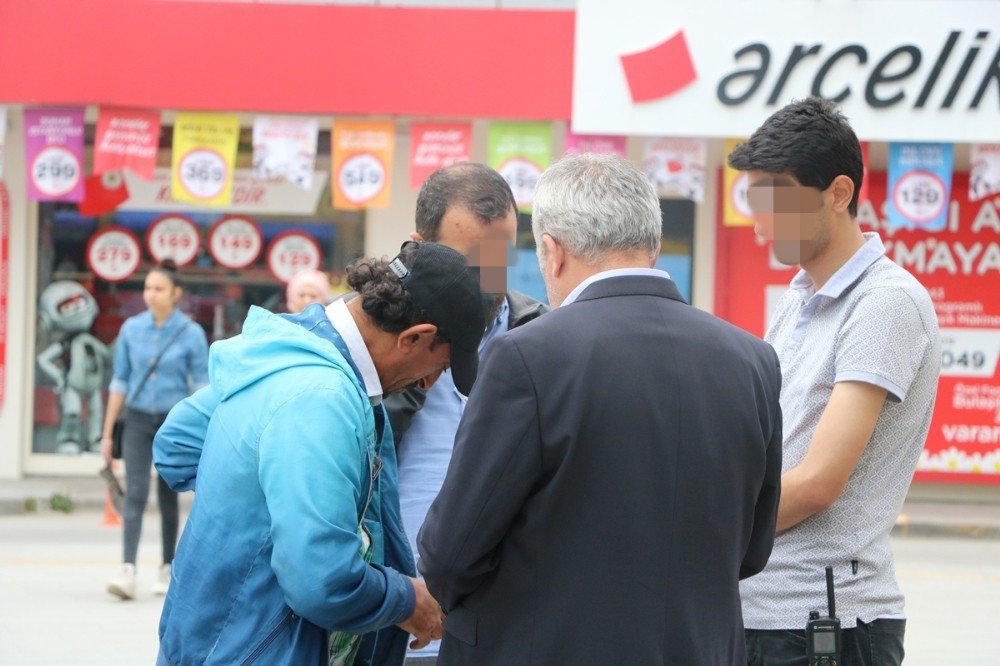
{"x": 291, "y": 252}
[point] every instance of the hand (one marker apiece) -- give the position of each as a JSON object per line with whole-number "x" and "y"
{"x": 425, "y": 623}
{"x": 106, "y": 449}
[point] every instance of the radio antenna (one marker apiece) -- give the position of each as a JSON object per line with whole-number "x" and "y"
{"x": 830, "y": 603}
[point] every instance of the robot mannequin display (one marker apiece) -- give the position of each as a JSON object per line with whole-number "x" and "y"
{"x": 160, "y": 358}
{"x": 75, "y": 361}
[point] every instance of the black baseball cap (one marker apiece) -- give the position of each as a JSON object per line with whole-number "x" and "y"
{"x": 446, "y": 289}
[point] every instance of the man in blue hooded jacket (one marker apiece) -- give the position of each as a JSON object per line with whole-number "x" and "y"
{"x": 283, "y": 557}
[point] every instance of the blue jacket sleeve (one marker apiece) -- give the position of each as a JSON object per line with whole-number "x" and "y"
{"x": 312, "y": 474}
{"x": 121, "y": 366}
{"x": 179, "y": 441}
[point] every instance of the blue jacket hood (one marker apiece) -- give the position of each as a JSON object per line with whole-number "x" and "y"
{"x": 271, "y": 343}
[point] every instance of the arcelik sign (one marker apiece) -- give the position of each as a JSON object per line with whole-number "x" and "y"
{"x": 902, "y": 70}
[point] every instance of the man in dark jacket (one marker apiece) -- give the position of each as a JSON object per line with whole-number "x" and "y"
{"x": 617, "y": 469}
{"x": 470, "y": 208}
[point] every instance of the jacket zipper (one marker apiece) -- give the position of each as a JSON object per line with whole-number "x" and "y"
{"x": 267, "y": 641}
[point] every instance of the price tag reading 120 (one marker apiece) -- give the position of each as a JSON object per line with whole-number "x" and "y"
{"x": 235, "y": 242}
{"x": 291, "y": 252}
{"x": 113, "y": 254}
{"x": 203, "y": 174}
{"x": 55, "y": 171}
{"x": 969, "y": 352}
{"x": 173, "y": 237}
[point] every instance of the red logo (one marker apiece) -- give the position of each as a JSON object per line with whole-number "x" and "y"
{"x": 659, "y": 71}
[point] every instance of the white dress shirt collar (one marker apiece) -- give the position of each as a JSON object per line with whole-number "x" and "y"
{"x": 343, "y": 322}
{"x": 616, "y": 272}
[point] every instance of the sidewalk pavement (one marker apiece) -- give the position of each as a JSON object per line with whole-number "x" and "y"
{"x": 930, "y": 510}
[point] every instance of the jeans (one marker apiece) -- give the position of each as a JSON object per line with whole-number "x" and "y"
{"x": 879, "y": 643}
{"x": 137, "y": 453}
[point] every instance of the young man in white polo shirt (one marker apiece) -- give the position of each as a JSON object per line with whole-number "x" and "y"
{"x": 858, "y": 342}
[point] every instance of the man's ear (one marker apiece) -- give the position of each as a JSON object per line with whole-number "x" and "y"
{"x": 410, "y": 338}
{"x": 843, "y": 191}
{"x": 555, "y": 254}
{"x": 414, "y": 236}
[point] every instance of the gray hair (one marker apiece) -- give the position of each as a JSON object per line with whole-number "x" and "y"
{"x": 595, "y": 204}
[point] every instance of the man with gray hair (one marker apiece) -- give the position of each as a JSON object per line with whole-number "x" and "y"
{"x": 616, "y": 470}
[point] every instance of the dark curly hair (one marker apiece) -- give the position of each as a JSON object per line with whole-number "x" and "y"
{"x": 382, "y": 295}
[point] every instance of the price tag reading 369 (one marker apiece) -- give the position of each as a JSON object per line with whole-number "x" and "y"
{"x": 203, "y": 173}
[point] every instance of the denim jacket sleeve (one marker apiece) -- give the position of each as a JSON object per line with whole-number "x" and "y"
{"x": 178, "y": 443}
{"x": 121, "y": 365}
{"x": 312, "y": 475}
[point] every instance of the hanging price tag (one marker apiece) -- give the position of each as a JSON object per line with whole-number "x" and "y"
{"x": 55, "y": 171}
{"x": 113, "y": 254}
{"x": 738, "y": 196}
{"x": 235, "y": 242}
{"x": 361, "y": 177}
{"x": 173, "y": 237}
{"x": 919, "y": 196}
{"x": 291, "y": 252}
{"x": 969, "y": 352}
{"x": 203, "y": 174}
{"x": 522, "y": 176}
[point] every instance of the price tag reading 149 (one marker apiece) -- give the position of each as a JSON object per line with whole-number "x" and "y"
{"x": 113, "y": 254}
{"x": 235, "y": 242}
{"x": 291, "y": 252}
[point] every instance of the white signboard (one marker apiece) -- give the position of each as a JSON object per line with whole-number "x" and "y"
{"x": 902, "y": 70}
{"x": 251, "y": 196}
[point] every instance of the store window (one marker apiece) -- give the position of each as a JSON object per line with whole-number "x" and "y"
{"x": 79, "y": 313}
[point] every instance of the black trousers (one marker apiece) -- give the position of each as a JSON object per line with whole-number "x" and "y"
{"x": 879, "y": 643}
{"x": 137, "y": 453}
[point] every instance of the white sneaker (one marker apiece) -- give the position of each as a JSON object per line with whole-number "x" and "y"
{"x": 123, "y": 583}
{"x": 162, "y": 581}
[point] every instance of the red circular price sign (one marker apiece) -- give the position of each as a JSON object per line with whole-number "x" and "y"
{"x": 173, "y": 237}
{"x": 919, "y": 196}
{"x": 113, "y": 254}
{"x": 203, "y": 173}
{"x": 522, "y": 175}
{"x": 235, "y": 242}
{"x": 361, "y": 178}
{"x": 55, "y": 171}
{"x": 291, "y": 252}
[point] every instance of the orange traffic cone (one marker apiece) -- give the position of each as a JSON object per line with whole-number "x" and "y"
{"x": 111, "y": 517}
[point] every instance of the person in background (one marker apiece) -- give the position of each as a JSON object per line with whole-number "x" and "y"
{"x": 305, "y": 288}
{"x": 160, "y": 358}
{"x": 859, "y": 347}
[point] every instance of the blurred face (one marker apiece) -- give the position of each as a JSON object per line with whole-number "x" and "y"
{"x": 790, "y": 215}
{"x": 303, "y": 296}
{"x": 484, "y": 245}
{"x": 417, "y": 363}
{"x": 159, "y": 293}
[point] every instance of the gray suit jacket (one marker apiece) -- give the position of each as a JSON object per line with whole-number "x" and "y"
{"x": 615, "y": 474}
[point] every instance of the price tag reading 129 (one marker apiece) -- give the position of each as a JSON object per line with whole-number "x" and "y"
{"x": 55, "y": 171}
{"x": 173, "y": 237}
{"x": 919, "y": 196}
{"x": 113, "y": 254}
{"x": 203, "y": 174}
{"x": 291, "y": 252}
{"x": 235, "y": 242}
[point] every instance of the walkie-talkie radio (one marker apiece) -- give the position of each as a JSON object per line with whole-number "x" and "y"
{"x": 823, "y": 633}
